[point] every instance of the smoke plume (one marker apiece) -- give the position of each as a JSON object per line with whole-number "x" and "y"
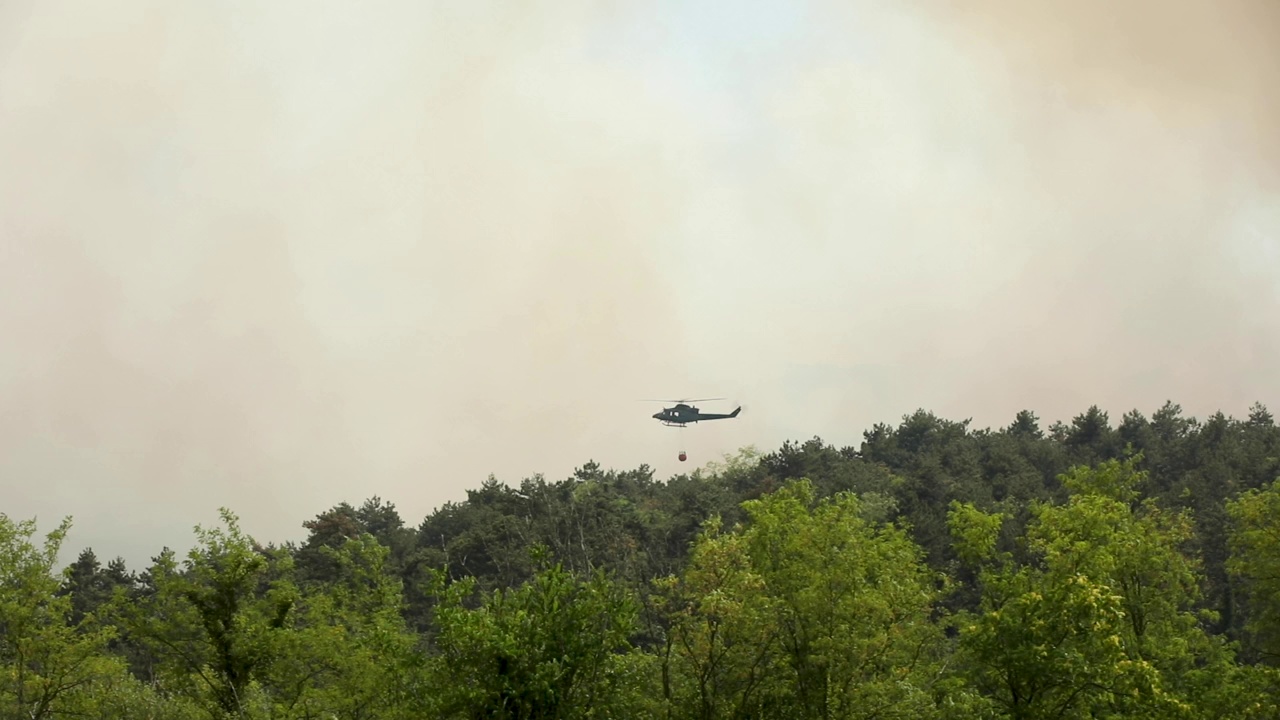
{"x": 279, "y": 256}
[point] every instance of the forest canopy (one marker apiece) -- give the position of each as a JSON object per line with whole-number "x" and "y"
{"x": 1085, "y": 569}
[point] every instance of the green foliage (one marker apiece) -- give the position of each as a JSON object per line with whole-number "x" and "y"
{"x": 1255, "y": 541}
{"x": 935, "y": 571}
{"x": 349, "y": 652}
{"x": 722, "y": 656}
{"x": 854, "y": 601}
{"x": 214, "y": 625}
{"x": 558, "y": 646}
{"x": 810, "y": 610}
{"x": 50, "y": 660}
{"x": 975, "y": 533}
{"x": 1103, "y": 621}
{"x": 232, "y": 633}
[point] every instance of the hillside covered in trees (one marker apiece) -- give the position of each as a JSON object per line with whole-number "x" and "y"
{"x": 1091, "y": 569}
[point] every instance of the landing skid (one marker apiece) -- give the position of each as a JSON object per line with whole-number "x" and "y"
{"x": 672, "y": 424}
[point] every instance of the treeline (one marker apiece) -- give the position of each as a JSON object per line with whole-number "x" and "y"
{"x": 1088, "y": 569}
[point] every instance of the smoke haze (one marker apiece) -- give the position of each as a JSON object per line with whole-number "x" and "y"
{"x": 279, "y": 256}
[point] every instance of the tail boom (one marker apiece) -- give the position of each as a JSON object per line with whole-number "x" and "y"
{"x": 722, "y": 416}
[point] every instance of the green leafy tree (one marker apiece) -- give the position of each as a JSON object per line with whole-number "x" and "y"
{"x": 1103, "y": 621}
{"x": 851, "y": 599}
{"x": 90, "y": 585}
{"x": 347, "y": 652}
{"x": 50, "y": 659}
{"x": 213, "y": 623}
{"x": 1255, "y": 560}
{"x": 343, "y": 522}
{"x": 722, "y": 656}
{"x": 555, "y": 647}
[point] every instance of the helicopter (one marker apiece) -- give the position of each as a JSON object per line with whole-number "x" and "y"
{"x": 682, "y": 413}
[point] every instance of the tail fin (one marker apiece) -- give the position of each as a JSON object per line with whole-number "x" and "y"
{"x": 735, "y": 412}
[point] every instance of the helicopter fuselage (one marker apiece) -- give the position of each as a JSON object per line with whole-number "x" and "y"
{"x": 680, "y": 415}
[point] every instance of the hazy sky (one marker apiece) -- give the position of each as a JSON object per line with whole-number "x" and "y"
{"x": 275, "y": 256}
